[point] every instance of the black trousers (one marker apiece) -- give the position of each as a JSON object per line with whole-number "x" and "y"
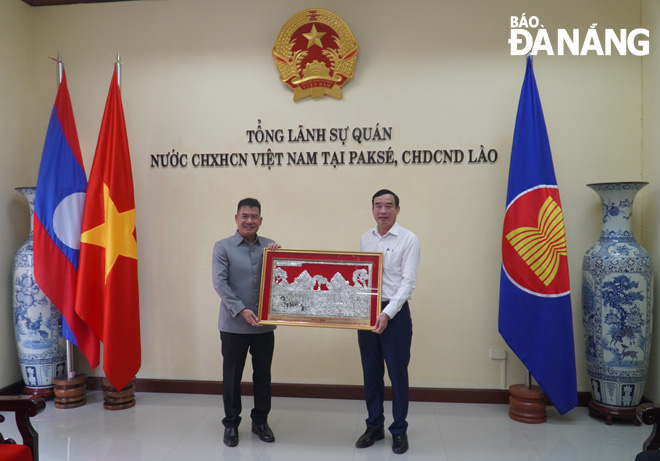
{"x": 235, "y": 348}
{"x": 391, "y": 347}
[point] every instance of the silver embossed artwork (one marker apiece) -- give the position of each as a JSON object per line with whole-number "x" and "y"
{"x": 320, "y": 288}
{"x": 315, "y": 295}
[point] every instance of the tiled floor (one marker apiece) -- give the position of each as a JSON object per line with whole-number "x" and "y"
{"x": 187, "y": 427}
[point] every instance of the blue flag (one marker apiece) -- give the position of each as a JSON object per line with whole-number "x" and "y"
{"x": 58, "y": 207}
{"x": 535, "y": 317}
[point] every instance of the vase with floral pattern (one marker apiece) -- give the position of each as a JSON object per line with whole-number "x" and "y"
{"x": 617, "y": 295}
{"x": 37, "y": 322}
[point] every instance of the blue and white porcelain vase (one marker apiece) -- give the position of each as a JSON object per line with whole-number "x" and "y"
{"x": 37, "y": 322}
{"x": 617, "y": 297}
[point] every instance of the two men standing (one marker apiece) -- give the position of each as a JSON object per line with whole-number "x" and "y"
{"x": 237, "y": 263}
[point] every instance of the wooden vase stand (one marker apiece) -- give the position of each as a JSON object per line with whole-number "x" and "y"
{"x": 45, "y": 393}
{"x": 609, "y": 414}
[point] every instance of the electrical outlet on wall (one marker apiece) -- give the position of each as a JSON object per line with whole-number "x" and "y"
{"x": 497, "y": 354}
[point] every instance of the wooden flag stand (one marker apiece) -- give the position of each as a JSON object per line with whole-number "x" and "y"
{"x": 527, "y": 405}
{"x": 527, "y": 402}
{"x": 70, "y": 392}
{"x": 118, "y": 400}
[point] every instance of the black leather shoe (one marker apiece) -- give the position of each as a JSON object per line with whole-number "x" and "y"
{"x": 369, "y": 437}
{"x": 231, "y": 436}
{"x": 263, "y": 431}
{"x": 399, "y": 443}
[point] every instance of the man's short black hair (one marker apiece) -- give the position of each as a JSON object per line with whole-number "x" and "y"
{"x": 385, "y": 192}
{"x": 249, "y": 202}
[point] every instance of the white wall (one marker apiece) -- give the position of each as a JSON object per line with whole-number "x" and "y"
{"x": 17, "y": 165}
{"x": 651, "y": 168}
{"x": 198, "y": 73}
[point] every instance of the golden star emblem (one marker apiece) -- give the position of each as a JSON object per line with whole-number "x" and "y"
{"x": 115, "y": 234}
{"x": 314, "y": 37}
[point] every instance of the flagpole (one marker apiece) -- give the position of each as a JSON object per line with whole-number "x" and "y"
{"x": 71, "y": 373}
{"x": 528, "y": 380}
{"x": 60, "y": 69}
{"x": 118, "y": 68}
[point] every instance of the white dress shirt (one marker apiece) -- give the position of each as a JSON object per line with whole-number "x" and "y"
{"x": 400, "y": 248}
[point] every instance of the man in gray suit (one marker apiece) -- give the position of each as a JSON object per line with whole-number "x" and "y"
{"x": 237, "y": 262}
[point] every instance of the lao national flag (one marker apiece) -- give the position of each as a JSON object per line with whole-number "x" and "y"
{"x": 107, "y": 291}
{"x": 58, "y": 207}
{"x": 535, "y": 317}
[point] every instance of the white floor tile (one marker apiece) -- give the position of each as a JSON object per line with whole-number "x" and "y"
{"x": 188, "y": 427}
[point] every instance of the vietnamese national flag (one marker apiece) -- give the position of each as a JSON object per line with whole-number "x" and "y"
{"x": 58, "y": 208}
{"x": 535, "y": 316}
{"x": 107, "y": 291}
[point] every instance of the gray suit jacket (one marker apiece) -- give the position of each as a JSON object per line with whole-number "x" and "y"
{"x": 237, "y": 279}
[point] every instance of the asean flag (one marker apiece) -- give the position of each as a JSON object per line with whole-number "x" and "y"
{"x": 107, "y": 291}
{"x": 58, "y": 208}
{"x": 535, "y": 314}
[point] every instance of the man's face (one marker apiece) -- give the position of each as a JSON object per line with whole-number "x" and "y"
{"x": 248, "y": 221}
{"x": 385, "y": 211}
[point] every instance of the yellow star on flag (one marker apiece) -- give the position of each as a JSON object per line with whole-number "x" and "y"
{"x": 115, "y": 234}
{"x": 314, "y": 37}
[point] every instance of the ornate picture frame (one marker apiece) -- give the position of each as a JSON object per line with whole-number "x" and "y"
{"x": 320, "y": 289}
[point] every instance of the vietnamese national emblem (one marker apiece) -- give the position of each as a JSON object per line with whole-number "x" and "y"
{"x": 315, "y": 53}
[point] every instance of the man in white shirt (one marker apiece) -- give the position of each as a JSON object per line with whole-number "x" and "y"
{"x": 389, "y": 342}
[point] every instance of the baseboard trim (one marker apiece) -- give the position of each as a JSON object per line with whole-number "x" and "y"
{"x": 324, "y": 391}
{"x": 12, "y": 389}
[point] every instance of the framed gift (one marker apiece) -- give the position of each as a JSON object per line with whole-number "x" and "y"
{"x": 320, "y": 289}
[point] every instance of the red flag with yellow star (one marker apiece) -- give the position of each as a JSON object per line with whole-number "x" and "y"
{"x": 107, "y": 290}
